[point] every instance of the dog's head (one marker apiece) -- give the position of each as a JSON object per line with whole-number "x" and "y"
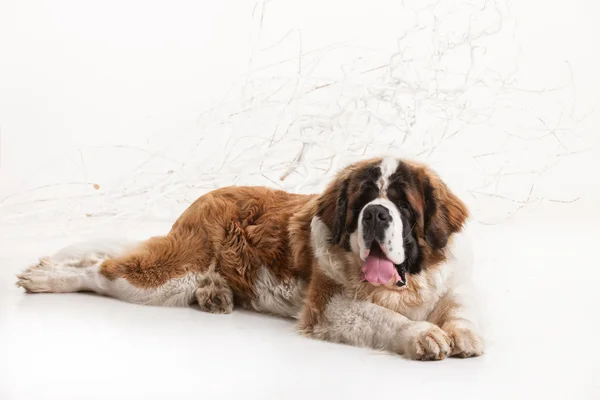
{"x": 390, "y": 217}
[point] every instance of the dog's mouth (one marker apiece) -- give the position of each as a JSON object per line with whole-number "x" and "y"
{"x": 377, "y": 269}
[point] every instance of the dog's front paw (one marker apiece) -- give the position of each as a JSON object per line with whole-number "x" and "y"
{"x": 466, "y": 342}
{"x": 427, "y": 341}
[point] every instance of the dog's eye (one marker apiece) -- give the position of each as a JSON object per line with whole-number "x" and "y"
{"x": 369, "y": 185}
{"x": 366, "y": 192}
{"x": 393, "y": 193}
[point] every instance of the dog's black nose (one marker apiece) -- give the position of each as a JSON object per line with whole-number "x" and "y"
{"x": 377, "y": 215}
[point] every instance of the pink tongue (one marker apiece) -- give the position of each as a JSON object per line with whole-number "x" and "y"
{"x": 378, "y": 269}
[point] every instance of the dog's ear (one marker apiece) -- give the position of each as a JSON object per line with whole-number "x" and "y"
{"x": 341, "y": 208}
{"x": 444, "y": 213}
{"x": 332, "y": 208}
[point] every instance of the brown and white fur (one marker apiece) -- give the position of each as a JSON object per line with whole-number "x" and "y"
{"x": 300, "y": 256}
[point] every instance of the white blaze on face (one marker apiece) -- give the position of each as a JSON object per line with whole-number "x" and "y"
{"x": 388, "y": 166}
{"x": 393, "y": 244}
{"x": 393, "y": 240}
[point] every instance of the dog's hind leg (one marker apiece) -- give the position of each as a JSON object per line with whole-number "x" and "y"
{"x": 164, "y": 271}
{"x": 214, "y": 294}
{"x": 72, "y": 269}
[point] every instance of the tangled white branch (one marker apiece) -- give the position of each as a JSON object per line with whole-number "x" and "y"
{"x": 447, "y": 95}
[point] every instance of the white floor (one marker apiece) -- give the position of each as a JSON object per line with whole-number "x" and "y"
{"x": 539, "y": 282}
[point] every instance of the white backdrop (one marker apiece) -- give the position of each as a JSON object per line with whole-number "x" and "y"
{"x": 130, "y": 108}
{"x": 115, "y": 115}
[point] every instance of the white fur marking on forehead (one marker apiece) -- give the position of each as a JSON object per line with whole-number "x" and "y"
{"x": 388, "y": 166}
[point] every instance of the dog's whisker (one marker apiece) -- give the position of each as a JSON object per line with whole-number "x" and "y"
{"x": 411, "y": 229}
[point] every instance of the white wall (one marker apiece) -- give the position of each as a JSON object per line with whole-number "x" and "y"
{"x": 157, "y": 102}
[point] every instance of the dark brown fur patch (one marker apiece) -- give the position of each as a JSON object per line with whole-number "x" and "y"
{"x": 441, "y": 213}
{"x": 338, "y": 214}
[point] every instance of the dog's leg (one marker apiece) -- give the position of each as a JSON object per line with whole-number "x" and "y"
{"x": 330, "y": 314}
{"x": 165, "y": 271}
{"x": 454, "y": 315}
{"x": 75, "y": 273}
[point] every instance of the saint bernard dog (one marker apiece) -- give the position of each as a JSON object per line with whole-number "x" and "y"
{"x": 376, "y": 260}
